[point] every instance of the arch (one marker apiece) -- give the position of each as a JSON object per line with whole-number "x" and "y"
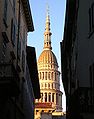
{"x": 52, "y": 75}
{"x": 45, "y": 75}
{"x": 52, "y": 97}
{"x": 49, "y": 75}
{"x": 49, "y": 97}
{"x": 48, "y": 85}
{"x": 42, "y": 75}
{"x": 45, "y": 97}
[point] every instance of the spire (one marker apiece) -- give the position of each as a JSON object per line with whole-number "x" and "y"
{"x": 47, "y": 33}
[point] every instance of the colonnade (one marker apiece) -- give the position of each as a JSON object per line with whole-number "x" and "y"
{"x": 48, "y": 75}
{"x": 56, "y": 98}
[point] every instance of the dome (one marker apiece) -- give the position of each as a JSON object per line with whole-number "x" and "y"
{"x": 47, "y": 56}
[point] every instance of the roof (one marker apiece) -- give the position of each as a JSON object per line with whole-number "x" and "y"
{"x": 28, "y": 14}
{"x": 43, "y": 105}
{"x": 47, "y": 56}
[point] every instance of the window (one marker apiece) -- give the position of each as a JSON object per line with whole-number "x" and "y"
{"x": 5, "y": 12}
{"x": 4, "y": 46}
{"x": 23, "y": 60}
{"x": 91, "y": 18}
{"x": 13, "y": 32}
{"x": 4, "y": 50}
{"x": 19, "y": 50}
{"x": 47, "y": 39}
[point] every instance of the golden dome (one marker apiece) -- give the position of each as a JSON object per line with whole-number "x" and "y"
{"x": 47, "y": 56}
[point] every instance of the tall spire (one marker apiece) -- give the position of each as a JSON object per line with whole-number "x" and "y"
{"x": 47, "y": 33}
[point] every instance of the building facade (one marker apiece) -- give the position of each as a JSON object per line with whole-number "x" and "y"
{"x": 49, "y": 78}
{"x": 15, "y": 91}
{"x": 77, "y": 59}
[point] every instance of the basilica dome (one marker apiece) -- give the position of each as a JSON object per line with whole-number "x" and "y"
{"x": 47, "y": 56}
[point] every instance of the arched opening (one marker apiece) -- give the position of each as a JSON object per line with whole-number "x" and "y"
{"x": 49, "y": 95}
{"x": 45, "y": 97}
{"x": 52, "y": 97}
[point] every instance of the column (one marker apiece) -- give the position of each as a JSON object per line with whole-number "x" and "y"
{"x": 52, "y": 97}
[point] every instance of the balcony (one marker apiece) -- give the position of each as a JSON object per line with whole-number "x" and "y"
{"x": 9, "y": 80}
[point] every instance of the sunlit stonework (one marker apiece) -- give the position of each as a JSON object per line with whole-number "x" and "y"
{"x": 49, "y": 78}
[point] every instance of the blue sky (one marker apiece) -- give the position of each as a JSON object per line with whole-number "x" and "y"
{"x": 57, "y": 17}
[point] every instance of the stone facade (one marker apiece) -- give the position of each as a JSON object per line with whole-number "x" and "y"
{"x": 78, "y": 59}
{"x": 15, "y": 22}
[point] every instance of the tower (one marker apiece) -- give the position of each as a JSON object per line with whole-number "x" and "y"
{"x": 49, "y": 78}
